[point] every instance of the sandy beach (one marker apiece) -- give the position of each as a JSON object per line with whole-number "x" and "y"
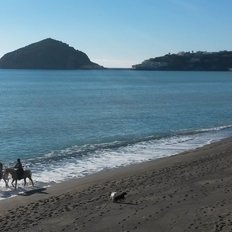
{"x": 191, "y": 191}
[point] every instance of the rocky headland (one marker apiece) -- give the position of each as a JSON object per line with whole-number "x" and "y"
{"x": 189, "y": 61}
{"x": 47, "y": 54}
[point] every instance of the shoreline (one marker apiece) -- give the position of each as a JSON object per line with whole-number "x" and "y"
{"x": 183, "y": 192}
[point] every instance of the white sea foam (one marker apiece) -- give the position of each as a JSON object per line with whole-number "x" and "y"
{"x": 106, "y": 157}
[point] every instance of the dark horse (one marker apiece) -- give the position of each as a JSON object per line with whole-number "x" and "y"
{"x": 13, "y": 173}
{"x": 2, "y": 175}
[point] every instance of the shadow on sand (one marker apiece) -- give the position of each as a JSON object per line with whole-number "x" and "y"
{"x": 125, "y": 203}
{"x": 33, "y": 191}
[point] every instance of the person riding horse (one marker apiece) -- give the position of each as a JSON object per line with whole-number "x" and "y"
{"x": 19, "y": 169}
{"x": 1, "y": 167}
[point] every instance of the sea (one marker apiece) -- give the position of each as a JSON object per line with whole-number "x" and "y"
{"x": 69, "y": 124}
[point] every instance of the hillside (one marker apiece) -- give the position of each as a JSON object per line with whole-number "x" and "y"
{"x": 47, "y": 54}
{"x": 189, "y": 61}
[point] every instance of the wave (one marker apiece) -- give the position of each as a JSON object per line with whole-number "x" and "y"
{"x": 120, "y": 153}
{"x": 203, "y": 130}
{"x": 84, "y": 151}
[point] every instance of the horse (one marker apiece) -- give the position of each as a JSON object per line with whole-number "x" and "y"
{"x": 13, "y": 173}
{"x": 2, "y": 175}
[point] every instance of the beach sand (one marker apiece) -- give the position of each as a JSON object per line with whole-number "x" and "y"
{"x": 191, "y": 191}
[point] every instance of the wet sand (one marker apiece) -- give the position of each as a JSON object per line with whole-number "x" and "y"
{"x": 191, "y": 191}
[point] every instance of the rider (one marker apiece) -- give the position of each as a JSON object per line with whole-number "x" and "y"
{"x": 19, "y": 169}
{"x": 1, "y": 166}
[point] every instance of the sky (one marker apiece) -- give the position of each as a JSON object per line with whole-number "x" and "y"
{"x": 118, "y": 33}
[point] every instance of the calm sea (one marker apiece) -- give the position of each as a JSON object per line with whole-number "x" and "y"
{"x": 66, "y": 124}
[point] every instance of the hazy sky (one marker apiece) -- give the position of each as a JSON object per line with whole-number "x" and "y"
{"x": 118, "y": 33}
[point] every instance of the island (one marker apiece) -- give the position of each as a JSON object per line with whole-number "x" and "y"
{"x": 189, "y": 61}
{"x": 47, "y": 54}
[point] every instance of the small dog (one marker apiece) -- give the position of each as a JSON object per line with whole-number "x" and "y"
{"x": 115, "y": 197}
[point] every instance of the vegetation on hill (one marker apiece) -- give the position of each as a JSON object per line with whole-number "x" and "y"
{"x": 47, "y": 54}
{"x": 189, "y": 61}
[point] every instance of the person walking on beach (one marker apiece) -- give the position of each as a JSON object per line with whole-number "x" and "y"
{"x": 19, "y": 169}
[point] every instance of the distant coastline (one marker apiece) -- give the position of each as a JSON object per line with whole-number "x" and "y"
{"x": 50, "y": 54}
{"x": 189, "y": 61}
{"x": 118, "y": 69}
